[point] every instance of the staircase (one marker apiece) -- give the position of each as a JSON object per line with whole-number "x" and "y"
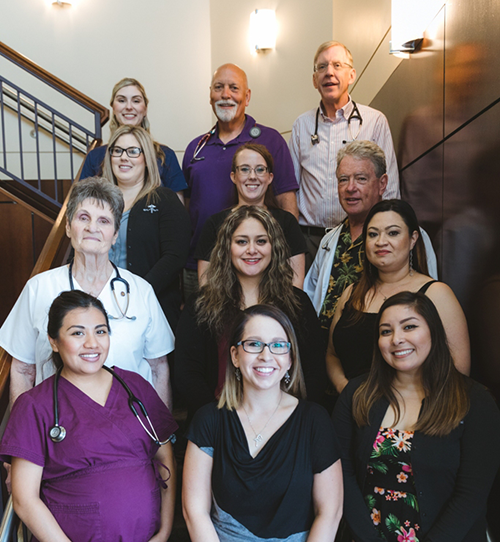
{"x": 45, "y": 133}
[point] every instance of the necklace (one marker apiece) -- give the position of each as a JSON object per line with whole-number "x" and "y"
{"x": 400, "y": 288}
{"x": 258, "y": 436}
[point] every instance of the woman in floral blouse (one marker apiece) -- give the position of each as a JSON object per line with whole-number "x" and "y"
{"x": 413, "y": 434}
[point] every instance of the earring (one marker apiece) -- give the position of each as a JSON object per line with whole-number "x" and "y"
{"x": 411, "y": 263}
{"x": 287, "y": 379}
{"x": 237, "y": 373}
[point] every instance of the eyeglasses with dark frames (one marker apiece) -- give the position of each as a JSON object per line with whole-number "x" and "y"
{"x": 132, "y": 152}
{"x": 252, "y": 346}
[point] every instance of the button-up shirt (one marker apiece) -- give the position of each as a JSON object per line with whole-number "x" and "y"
{"x": 315, "y": 165}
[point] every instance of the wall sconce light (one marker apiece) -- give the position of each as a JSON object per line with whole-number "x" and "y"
{"x": 62, "y": 4}
{"x": 263, "y": 29}
{"x": 409, "y": 22}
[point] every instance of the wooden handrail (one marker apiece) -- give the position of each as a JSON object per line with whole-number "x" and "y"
{"x": 54, "y": 81}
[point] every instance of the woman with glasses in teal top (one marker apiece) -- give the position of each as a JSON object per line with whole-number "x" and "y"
{"x": 153, "y": 240}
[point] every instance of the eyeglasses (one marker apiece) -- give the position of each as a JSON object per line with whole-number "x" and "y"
{"x": 244, "y": 171}
{"x": 337, "y": 66}
{"x": 256, "y": 347}
{"x": 132, "y": 152}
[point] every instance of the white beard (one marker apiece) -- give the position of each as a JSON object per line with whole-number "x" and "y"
{"x": 225, "y": 115}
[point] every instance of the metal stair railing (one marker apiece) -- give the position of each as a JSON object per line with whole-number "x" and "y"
{"x": 41, "y": 112}
{"x": 39, "y": 143}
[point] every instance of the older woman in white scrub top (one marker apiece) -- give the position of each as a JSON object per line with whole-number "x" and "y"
{"x": 142, "y": 337}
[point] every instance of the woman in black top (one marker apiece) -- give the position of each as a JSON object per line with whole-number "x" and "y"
{"x": 263, "y": 463}
{"x": 153, "y": 240}
{"x": 249, "y": 265}
{"x": 394, "y": 261}
{"x": 252, "y": 175}
{"x": 420, "y": 441}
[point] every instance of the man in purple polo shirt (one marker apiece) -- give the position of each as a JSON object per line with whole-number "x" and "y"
{"x": 207, "y": 160}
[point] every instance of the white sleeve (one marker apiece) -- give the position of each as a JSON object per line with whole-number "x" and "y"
{"x": 384, "y": 140}
{"x": 431, "y": 255}
{"x": 159, "y": 339}
{"x": 294, "y": 146}
{"x": 18, "y": 334}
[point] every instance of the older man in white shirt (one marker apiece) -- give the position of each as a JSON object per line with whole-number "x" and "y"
{"x": 320, "y": 133}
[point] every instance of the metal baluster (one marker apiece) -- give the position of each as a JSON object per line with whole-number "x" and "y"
{"x": 4, "y": 146}
{"x": 71, "y": 151}
{"x": 20, "y": 134}
{"x": 37, "y": 148}
{"x": 55, "y": 154}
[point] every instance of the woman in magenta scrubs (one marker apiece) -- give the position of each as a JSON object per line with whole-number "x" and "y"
{"x": 83, "y": 466}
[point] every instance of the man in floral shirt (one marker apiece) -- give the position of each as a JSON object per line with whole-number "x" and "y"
{"x": 362, "y": 179}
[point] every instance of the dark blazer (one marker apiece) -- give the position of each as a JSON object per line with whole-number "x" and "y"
{"x": 453, "y": 474}
{"x": 158, "y": 237}
{"x": 197, "y": 358}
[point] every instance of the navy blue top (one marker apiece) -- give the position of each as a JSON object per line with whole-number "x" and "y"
{"x": 170, "y": 172}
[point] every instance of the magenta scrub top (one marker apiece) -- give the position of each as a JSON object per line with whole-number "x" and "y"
{"x": 100, "y": 482}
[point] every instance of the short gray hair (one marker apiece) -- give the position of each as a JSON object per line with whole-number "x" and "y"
{"x": 100, "y": 190}
{"x": 327, "y": 45}
{"x": 364, "y": 150}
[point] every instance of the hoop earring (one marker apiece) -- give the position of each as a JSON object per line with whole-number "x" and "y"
{"x": 411, "y": 263}
{"x": 237, "y": 374}
{"x": 287, "y": 379}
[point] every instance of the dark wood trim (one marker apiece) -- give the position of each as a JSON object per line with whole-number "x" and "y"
{"x": 46, "y": 76}
{"x": 5, "y": 363}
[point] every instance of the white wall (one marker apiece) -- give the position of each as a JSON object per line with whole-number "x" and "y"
{"x": 364, "y": 27}
{"x": 165, "y": 44}
{"x": 173, "y": 47}
{"x": 281, "y": 80}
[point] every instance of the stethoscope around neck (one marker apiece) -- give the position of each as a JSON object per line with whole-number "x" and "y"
{"x": 254, "y": 132}
{"x": 355, "y": 115}
{"x": 58, "y": 433}
{"x": 112, "y": 282}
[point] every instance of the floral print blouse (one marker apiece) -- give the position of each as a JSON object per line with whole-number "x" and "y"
{"x": 389, "y": 491}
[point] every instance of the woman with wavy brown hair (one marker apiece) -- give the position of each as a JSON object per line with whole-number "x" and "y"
{"x": 249, "y": 266}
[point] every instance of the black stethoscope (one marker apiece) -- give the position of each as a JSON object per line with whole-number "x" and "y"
{"x": 58, "y": 432}
{"x": 355, "y": 115}
{"x": 118, "y": 278}
{"x": 255, "y": 132}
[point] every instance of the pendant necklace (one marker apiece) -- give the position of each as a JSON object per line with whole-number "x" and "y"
{"x": 258, "y": 436}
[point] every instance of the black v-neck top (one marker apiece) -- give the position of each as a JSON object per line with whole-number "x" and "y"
{"x": 270, "y": 494}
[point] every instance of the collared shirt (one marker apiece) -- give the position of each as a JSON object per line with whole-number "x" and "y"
{"x": 315, "y": 165}
{"x": 208, "y": 176}
{"x": 346, "y": 269}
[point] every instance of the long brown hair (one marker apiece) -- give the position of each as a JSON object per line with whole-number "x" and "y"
{"x": 220, "y": 299}
{"x": 369, "y": 275}
{"x": 446, "y": 397}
